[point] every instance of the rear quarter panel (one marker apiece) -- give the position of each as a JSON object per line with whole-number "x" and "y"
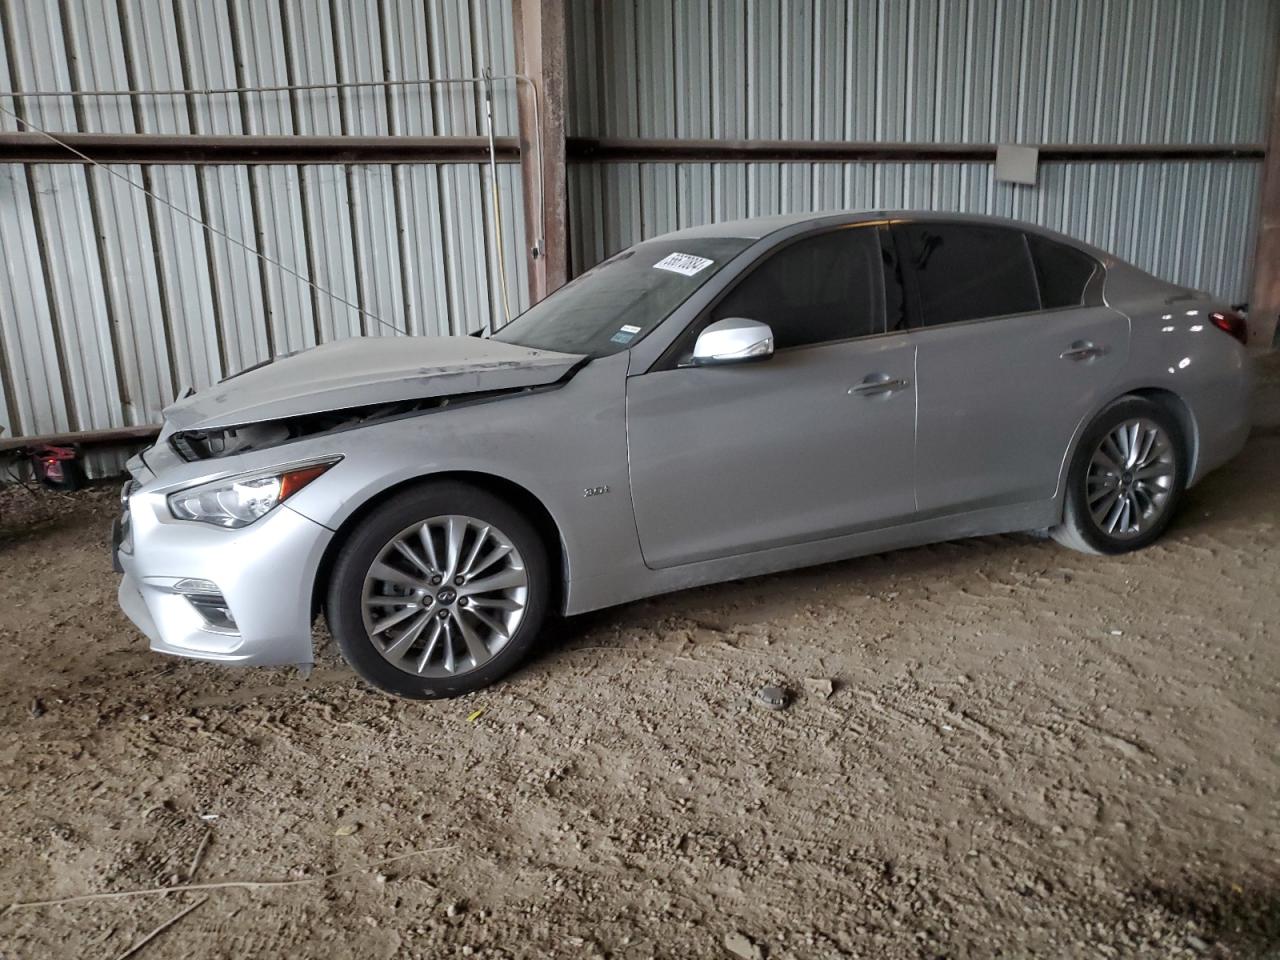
{"x": 1174, "y": 347}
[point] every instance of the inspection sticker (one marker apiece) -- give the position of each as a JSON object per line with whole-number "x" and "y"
{"x": 683, "y": 263}
{"x": 626, "y": 333}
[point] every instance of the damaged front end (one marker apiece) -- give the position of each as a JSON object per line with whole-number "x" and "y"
{"x": 257, "y": 410}
{"x": 351, "y": 380}
{"x": 215, "y": 443}
{"x": 214, "y": 565}
{"x": 218, "y": 442}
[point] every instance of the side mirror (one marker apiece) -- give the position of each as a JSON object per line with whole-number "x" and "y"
{"x": 733, "y": 340}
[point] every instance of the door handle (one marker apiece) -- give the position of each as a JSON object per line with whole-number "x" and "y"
{"x": 1082, "y": 350}
{"x": 878, "y": 384}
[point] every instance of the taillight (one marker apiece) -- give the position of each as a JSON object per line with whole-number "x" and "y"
{"x": 1232, "y": 323}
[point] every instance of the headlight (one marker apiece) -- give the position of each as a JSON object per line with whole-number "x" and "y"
{"x": 238, "y": 501}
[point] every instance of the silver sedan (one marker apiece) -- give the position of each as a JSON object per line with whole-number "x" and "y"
{"x": 717, "y": 403}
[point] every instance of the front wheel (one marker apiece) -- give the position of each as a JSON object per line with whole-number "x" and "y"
{"x": 441, "y": 591}
{"x": 1125, "y": 480}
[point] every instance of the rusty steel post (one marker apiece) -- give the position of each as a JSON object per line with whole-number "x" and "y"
{"x": 1264, "y": 304}
{"x": 540, "y": 56}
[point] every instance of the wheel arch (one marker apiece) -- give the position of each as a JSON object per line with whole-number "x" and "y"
{"x": 515, "y": 494}
{"x": 1180, "y": 410}
{"x": 1175, "y": 405}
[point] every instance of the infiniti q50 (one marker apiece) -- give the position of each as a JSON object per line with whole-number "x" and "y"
{"x": 716, "y": 403}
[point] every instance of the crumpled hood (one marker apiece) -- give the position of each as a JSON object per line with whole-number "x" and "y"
{"x": 363, "y": 371}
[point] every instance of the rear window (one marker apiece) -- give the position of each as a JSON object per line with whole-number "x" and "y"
{"x": 1062, "y": 271}
{"x": 968, "y": 271}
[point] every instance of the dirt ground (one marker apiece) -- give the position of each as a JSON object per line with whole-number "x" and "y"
{"x": 1026, "y": 752}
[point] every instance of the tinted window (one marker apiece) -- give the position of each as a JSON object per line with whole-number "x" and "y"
{"x": 828, "y": 287}
{"x": 965, "y": 272}
{"x": 616, "y": 303}
{"x": 895, "y": 300}
{"x": 1063, "y": 272}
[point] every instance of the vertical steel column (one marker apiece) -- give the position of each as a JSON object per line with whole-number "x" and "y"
{"x": 1264, "y": 304}
{"x": 540, "y": 56}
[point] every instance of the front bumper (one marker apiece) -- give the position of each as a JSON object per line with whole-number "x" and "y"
{"x": 265, "y": 571}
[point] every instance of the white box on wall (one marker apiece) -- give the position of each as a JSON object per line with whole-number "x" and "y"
{"x": 1016, "y": 164}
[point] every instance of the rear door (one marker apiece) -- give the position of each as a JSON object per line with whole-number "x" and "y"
{"x": 1014, "y": 348}
{"x": 814, "y": 442}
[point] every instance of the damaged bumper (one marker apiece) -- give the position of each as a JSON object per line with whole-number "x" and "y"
{"x": 233, "y": 596}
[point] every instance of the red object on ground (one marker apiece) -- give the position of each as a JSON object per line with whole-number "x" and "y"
{"x": 58, "y": 467}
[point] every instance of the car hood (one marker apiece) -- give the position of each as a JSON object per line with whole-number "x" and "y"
{"x": 366, "y": 371}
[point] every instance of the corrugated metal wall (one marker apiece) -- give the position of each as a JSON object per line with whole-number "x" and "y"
{"x": 113, "y": 302}
{"x": 1192, "y": 222}
{"x": 930, "y": 71}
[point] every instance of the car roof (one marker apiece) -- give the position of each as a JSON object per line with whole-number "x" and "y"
{"x": 757, "y": 228}
{"x": 1125, "y": 279}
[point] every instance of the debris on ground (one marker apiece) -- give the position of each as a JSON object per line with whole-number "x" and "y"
{"x": 773, "y": 697}
{"x": 740, "y": 945}
{"x": 820, "y": 687}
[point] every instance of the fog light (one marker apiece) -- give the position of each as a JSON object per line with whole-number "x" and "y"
{"x": 209, "y": 602}
{"x": 193, "y": 587}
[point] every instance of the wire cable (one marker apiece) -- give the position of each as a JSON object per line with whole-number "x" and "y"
{"x": 284, "y": 268}
{"x": 516, "y": 78}
{"x": 499, "y": 244}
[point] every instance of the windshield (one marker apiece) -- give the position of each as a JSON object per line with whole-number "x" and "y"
{"x": 617, "y": 302}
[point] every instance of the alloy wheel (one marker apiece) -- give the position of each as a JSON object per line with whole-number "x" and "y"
{"x": 1131, "y": 475}
{"x": 444, "y": 596}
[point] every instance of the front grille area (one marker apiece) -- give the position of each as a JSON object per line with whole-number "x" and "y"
{"x": 190, "y": 446}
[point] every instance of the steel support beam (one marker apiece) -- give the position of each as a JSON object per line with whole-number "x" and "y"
{"x": 621, "y": 150}
{"x": 1264, "y": 303}
{"x": 540, "y": 56}
{"x": 166, "y": 148}
{"x": 84, "y": 438}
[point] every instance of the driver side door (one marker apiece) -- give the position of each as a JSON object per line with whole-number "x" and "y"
{"x": 816, "y": 441}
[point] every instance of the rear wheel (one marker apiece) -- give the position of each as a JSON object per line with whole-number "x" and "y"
{"x": 441, "y": 591}
{"x": 1125, "y": 480}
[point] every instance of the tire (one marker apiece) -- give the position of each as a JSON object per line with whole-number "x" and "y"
{"x": 390, "y": 579}
{"x": 1151, "y": 477}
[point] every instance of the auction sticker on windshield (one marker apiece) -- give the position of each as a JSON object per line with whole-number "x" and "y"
{"x": 626, "y": 333}
{"x": 684, "y": 263}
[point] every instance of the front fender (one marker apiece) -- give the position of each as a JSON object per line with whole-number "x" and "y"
{"x": 555, "y": 445}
